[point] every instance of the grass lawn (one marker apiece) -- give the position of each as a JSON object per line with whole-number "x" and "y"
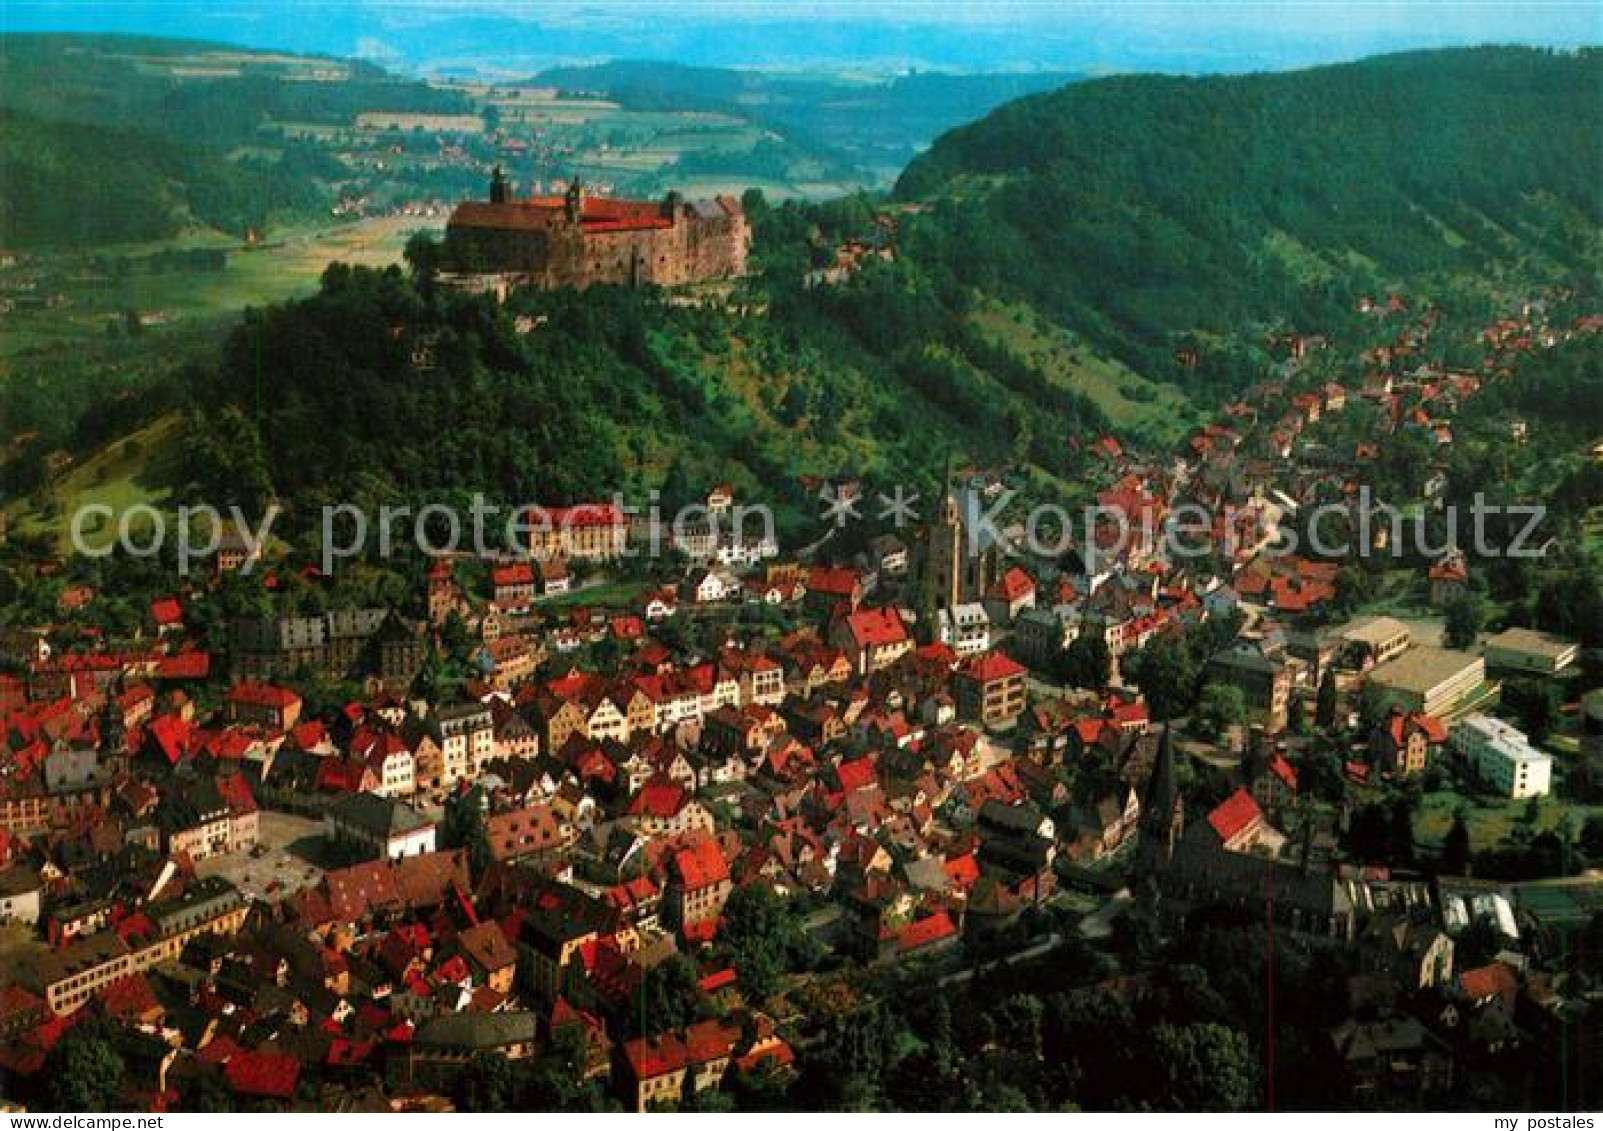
{"x": 612, "y": 594}
{"x": 1128, "y": 399}
{"x": 129, "y": 472}
{"x": 1490, "y": 820}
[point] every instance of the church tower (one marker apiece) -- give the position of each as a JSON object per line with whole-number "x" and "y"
{"x": 1162, "y": 811}
{"x": 500, "y": 190}
{"x": 574, "y": 201}
{"x": 939, "y": 552}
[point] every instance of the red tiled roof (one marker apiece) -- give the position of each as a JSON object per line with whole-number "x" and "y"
{"x": 257, "y": 1073}
{"x": 832, "y": 581}
{"x": 257, "y": 694}
{"x": 963, "y": 870}
{"x": 309, "y": 734}
{"x": 343, "y": 1052}
{"x": 650, "y": 1057}
{"x": 1494, "y": 980}
{"x": 858, "y": 773}
{"x": 701, "y": 866}
{"x": 925, "y": 932}
{"x": 171, "y": 733}
{"x": 993, "y": 666}
{"x": 717, "y": 980}
{"x": 1013, "y": 585}
{"x": 1235, "y": 813}
{"x": 129, "y": 998}
{"x": 937, "y": 653}
{"x": 235, "y": 790}
{"x": 658, "y": 797}
{"x": 575, "y": 517}
{"x": 873, "y": 627}
{"x": 518, "y": 573}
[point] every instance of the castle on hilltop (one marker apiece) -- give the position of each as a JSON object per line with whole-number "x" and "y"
{"x": 579, "y": 240}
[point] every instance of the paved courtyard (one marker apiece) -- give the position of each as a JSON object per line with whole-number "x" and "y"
{"x": 280, "y": 866}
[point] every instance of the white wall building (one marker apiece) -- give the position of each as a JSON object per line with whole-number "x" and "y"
{"x": 467, "y": 740}
{"x": 967, "y": 628}
{"x": 1502, "y": 757}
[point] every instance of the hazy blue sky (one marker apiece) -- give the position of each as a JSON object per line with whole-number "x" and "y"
{"x": 1134, "y": 34}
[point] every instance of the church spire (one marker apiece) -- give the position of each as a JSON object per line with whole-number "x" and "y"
{"x": 1162, "y": 815}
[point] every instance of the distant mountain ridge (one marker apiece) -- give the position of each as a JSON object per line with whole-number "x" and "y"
{"x": 876, "y": 124}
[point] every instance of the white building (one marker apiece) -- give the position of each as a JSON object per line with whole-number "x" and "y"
{"x": 1502, "y": 757}
{"x": 967, "y": 628}
{"x": 736, "y": 548}
{"x": 20, "y": 895}
{"x": 383, "y": 827}
{"x": 708, "y": 586}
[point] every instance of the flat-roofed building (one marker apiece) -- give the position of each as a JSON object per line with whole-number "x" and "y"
{"x": 1432, "y": 681}
{"x": 1379, "y": 639}
{"x": 1529, "y": 652}
{"x": 1502, "y": 757}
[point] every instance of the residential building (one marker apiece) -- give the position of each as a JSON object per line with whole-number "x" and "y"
{"x": 966, "y": 627}
{"x": 662, "y": 1070}
{"x": 589, "y": 532}
{"x": 991, "y": 688}
{"x": 1401, "y": 742}
{"x": 263, "y": 704}
{"x": 1010, "y": 595}
{"x": 873, "y": 639}
{"x": 467, "y": 740}
{"x": 1042, "y": 635}
{"x": 698, "y": 887}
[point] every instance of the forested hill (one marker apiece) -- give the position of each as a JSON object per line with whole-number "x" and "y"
{"x": 1143, "y": 208}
